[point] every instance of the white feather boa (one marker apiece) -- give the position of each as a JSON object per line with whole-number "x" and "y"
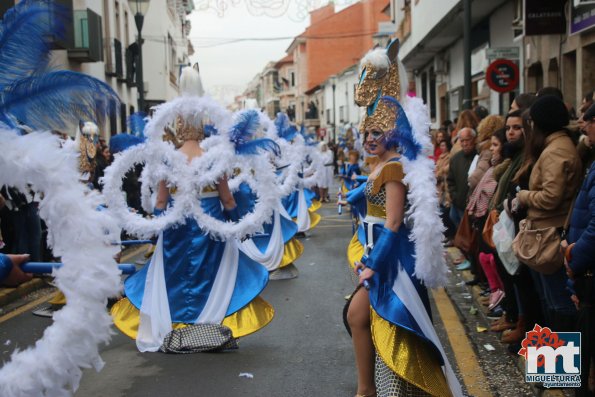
{"x": 428, "y": 230}
{"x": 81, "y": 236}
{"x": 163, "y": 163}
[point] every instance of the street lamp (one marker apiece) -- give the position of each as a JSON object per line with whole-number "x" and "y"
{"x": 139, "y": 8}
{"x": 333, "y": 81}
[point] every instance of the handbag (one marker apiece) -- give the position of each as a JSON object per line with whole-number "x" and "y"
{"x": 488, "y": 228}
{"x": 465, "y": 237}
{"x": 538, "y": 248}
{"x": 502, "y": 236}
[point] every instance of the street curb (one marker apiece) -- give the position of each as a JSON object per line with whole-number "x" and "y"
{"x": 9, "y": 295}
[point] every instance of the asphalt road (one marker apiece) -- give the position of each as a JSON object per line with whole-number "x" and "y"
{"x": 305, "y": 351}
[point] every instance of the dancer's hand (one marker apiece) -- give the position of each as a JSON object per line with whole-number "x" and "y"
{"x": 366, "y": 272}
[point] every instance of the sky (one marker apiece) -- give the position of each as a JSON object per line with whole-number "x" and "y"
{"x": 226, "y": 69}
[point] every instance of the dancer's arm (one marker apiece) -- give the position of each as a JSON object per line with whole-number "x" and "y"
{"x": 229, "y": 203}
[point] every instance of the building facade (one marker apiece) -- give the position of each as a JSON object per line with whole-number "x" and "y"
{"x": 557, "y": 54}
{"x": 102, "y": 42}
{"x": 166, "y": 48}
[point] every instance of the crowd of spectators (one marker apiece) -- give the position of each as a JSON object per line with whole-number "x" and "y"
{"x": 534, "y": 167}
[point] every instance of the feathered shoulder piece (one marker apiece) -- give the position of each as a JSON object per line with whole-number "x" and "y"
{"x": 247, "y": 123}
{"x": 284, "y": 128}
{"x": 136, "y": 124}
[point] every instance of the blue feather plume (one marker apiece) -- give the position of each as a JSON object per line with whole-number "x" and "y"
{"x": 402, "y": 135}
{"x": 281, "y": 122}
{"x": 137, "y": 123}
{"x": 56, "y": 100}
{"x": 119, "y": 143}
{"x": 24, "y": 38}
{"x": 256, "y": 145}
{"x": 246, "y": 125}
{"x": 210, "y": 130}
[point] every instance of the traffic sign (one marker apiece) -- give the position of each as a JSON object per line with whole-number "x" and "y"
{"x": 503, "y": 53}
{"x": 502, "y": 75}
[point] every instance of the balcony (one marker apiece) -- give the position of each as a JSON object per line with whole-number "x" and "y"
{"x": 87, "y": 37}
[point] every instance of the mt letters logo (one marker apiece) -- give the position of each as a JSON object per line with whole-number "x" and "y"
{"x": 552, "y": 358}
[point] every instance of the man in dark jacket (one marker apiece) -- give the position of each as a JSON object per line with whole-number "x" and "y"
{"x": 458, "y": 174}
{"x": 580, "y": 254}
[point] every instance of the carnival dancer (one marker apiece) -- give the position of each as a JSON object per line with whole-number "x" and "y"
{"x": 276, "y": 248}
{"x": 396, "y": 347}
{"x": 351, "y": 171}
{"x": 327, "y": 176}
{"x": 198, "y": 293}
{"x": 300, "y": 201}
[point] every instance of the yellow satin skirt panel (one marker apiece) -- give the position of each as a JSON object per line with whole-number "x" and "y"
{"x": 315, "y": 206}
{"x": 408, "y": 357}
{"x": 293, "y": 250}
{"x": 355, "y": 250}
{"x": 256, "y": 315}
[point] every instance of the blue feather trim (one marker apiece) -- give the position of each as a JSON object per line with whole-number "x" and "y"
{"x": 57, "y": 99}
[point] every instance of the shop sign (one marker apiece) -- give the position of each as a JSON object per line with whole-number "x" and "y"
{"x": 544, "y": 17}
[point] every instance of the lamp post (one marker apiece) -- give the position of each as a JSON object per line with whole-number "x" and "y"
{"x": 139, "y": 8}
{"x": 334, "y": 85}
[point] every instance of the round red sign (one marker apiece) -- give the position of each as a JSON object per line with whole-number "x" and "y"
{"x": 502, "y": 75}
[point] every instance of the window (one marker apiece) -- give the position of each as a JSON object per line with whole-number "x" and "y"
{"x": 292, "y": 79}
{"x": 328, "y": 116}
{"x": 341, "y": 114}
{"x": 172, "y": 60}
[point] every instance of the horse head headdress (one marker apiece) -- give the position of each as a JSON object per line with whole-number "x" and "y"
{"x": 379, "y": 77}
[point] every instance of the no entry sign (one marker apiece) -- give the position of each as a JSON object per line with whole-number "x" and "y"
{"x": 502, "y": 75}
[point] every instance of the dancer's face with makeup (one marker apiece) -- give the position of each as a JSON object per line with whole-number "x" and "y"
{"x": 375, "y": 142}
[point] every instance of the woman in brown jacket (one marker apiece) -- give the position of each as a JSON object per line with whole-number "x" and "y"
{"x": 553, "y": 183}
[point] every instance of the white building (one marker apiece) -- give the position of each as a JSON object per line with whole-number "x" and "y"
{"x": 101, "y": 42}
{"x": 346, "y": 113}
{"x": 166, "y": 48}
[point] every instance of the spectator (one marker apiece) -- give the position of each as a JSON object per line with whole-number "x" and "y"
{"x": 554, "y": 180}
{"x": 457, "y": 180}
{"x": 477, "y": 209}
{"x": 103, "y": 161}
{"x": 580, "y": 264}
{"x": 437, "y": 137}
{"x": 11, "y": 274}
{"x": 553, "y": 91}
{"x": 481, "y": 112}
{"x": 441, "y": 171}
{"x": 467, "y": 119}
{"x": 22, "y": 217}
{"x": 518, "y": 288}
{"x": 485, "y": 132}
{"x": 522, "y": 102}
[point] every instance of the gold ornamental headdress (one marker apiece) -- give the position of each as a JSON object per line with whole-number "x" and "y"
{"x": 379, "y": 77}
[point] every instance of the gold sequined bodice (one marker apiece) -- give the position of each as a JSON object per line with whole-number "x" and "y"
{"x": 375, "y": 191}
